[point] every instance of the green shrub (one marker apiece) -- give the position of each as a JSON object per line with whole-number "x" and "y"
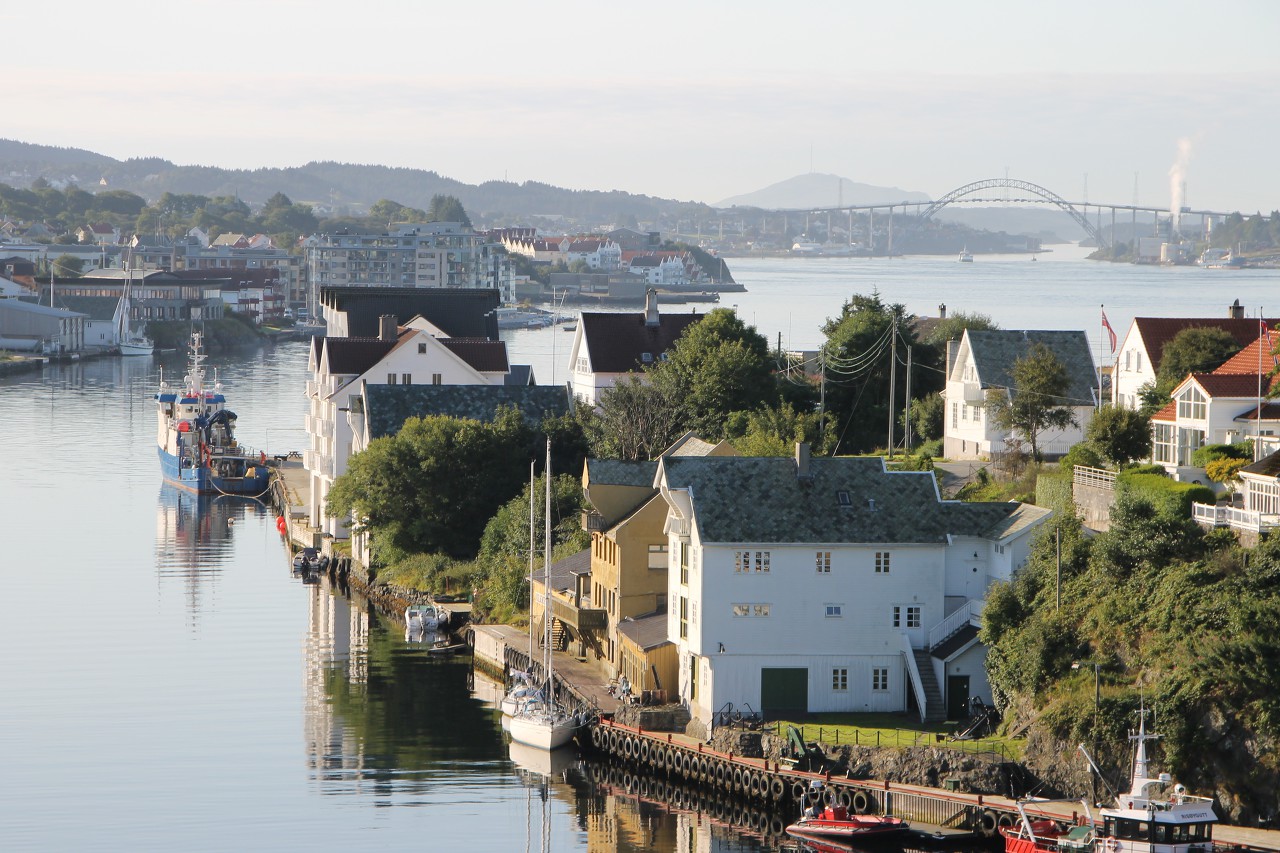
{"x": 931, "y": 448}
{"x": 1148, "y": 468}
{"x": 1083, "y": 453}
{"x": 1168, "y": 496}
{"x": 1211, "y": 452}
{"x": 1053, "y": 490}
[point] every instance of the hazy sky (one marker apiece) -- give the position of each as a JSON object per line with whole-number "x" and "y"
{"x": 691, "y": 100}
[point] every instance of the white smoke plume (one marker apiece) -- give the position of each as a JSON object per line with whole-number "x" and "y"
{"x": 1178, "y": 182}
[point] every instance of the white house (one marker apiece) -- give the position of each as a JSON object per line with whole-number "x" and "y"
{"x": 608, "y": 346}
{"x": 598, "y": 254}
{"x": 1141, "y": 351}
{"x": 415, "y": 354}
{"x": 981, "y": 363}
{"x": 1223, "y": 407}
{"x": 829, "y": 585}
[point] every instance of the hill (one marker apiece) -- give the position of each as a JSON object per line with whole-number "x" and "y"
{"x": 816, "y": 190}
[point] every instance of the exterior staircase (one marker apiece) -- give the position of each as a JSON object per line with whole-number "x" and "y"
{"x": 935, "y": 710}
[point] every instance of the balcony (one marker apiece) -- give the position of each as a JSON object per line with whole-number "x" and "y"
{"x": 972, "y": 393}
{"x": 593, "y": 522}
{"x": 578, "y": 617}
{"x": 1234, "y": 518}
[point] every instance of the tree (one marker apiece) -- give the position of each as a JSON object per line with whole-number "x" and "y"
{"x": 446, "y": 208}
{"x": 1194, "y": 350}
{"x": 927, "y": 416}
{"x": 431, "y": 487}
{"x": 718, "y": 366}
{"x": 774, "y": 431}
{"x": 1122, "y": 435}
{"x": 952, "y": 328}
{"x": 637, "y": 420}
{"x": 1037, "y": 401}
{"x": 68, "y": 265}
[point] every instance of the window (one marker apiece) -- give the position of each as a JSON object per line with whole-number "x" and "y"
{"x": 406, "y": 379}
{"x": 391, "y": 379}
{"x": 437, "y": 379}
{"x": 964, "y": 411}
{"x": 880, "y": 679}
{"x": 762, "y": 561}
{"x": 657, "y": 556}
{"x": 693, "y": 616}
{"x": 684, "y": 618}
{"x": 1162, "y": 446}
{"x": 684, "y": 563}
{"x": 834, "y": 611}
{"x": 1191, "y": 404}
{"x": 760, "y": 610}
{"x": 1189, "y": 441}
{"x": 752, "y": 610}
{"x": 955, "y": 414}
{"x": 422, "y": 348}
{"x": 882, "y": 563}
{"x": 906, "y": 617}
{"x": 823, "y": 561}
{"x": 840, "y": 679}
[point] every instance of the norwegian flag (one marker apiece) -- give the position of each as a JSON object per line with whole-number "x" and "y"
{"x": 1111, "y": 333}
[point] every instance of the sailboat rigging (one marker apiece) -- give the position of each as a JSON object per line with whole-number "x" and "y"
{"x": 129, "y": 341}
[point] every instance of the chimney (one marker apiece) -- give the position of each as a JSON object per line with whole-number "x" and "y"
{"x": 651, "y": 308}
{"x": 387, "y": 327}
{"x": 802, "y": 460}
{"x": 1235, "y": 310}
{"x": 942, "y": 311}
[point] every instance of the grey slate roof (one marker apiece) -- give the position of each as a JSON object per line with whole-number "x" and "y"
{"x": 761, "y": 500}
{"x": 100, "y": 308}
{"x": 458, "y": 312}
{"x": 564, "y": 572}
{"x": 647, "y": 632}
{"x": 1267, "y": 466}
{"x": 995, "y": 351}
{"x": 520, "y": 374}
{"x": 389, "y": 406}
{"x": 619, "y": 472}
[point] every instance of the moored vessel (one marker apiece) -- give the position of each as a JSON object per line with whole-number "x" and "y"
{"x": 195, "y": 437}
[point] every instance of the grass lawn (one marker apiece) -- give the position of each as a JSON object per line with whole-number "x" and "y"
{"x": 893, "y": 730}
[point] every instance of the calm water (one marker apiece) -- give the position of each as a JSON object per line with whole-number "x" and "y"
{"x": 168, "y": 683}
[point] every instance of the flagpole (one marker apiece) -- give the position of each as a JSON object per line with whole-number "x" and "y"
{"x": 1257, "y": 423}
{"x": 1102, "y": 333}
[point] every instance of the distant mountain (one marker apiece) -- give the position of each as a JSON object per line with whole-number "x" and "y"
{"x": 816, "y": 190}
{"x": 333, "y": 188}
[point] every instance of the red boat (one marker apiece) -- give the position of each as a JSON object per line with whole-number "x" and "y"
{"x": 836, "y": 824}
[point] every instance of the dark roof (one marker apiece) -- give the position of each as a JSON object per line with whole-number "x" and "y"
{"x": 1231, "y": 384}
{"x": 619, "y": 472}
{"x": 1270, "y": 412}
{"x": 458, "y": 312}
{"x": 389, "y": 406}
{"x": 1267, "y": 466}
{"x": 353, "y": 356}
{"x": 615, "y": 341}
{"x": 100, "y": 308}
{"x": 483, "y": 355}
{"x": 647, "y": 632}
{"x": 761, "y": 500}
{"x": 1158, "y": 331}
{"x": 995, "y": 351}
{"x": 564, "y": 572}
{"x": 520, "y": 374}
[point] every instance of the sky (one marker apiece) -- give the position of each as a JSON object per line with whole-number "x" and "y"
{"x": 1096, "y": 101}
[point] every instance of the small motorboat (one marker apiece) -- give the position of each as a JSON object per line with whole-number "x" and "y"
{"x": 835, "y": 823}
{"x": 422, "y": 622}
{"x": 309, "y": 560}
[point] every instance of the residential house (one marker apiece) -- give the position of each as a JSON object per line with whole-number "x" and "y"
{"x": 598, "y": 254}
{"x": 980, "y": 363}
{"x": 610, "y": 346}
{"x": 1141, "y": 351}
{"x": 1223, "y": 407}
{"x": 418, "y": 353}
{"x": 357, "y": 311}
{"x": 98, "y": 233}
{"x": 829, "y": 585}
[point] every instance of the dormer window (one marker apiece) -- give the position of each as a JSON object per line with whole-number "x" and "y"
{"x": 646, "y": 357}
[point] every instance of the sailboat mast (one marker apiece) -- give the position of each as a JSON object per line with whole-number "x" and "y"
{"x": 532, "y": 505}
{"x": 546, "y": 583}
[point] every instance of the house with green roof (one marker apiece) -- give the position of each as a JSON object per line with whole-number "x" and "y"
{"x": 980, "y": 364}
{"x": 803, "y": 585}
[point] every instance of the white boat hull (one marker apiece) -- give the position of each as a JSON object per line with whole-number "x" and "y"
{"x": 135, "y": 348}
{"x": 542, "y": 732}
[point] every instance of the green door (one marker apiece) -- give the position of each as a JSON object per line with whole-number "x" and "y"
{"x": 957, "y": 697}
{"x": 784, "y": 690}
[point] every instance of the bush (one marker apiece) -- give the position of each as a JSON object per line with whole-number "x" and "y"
{"x": 1053, "y": 490}
{"x": 1084, "y": 453}
{"x": 1149, "y": 468}
{"x": 933, "y": 448}
{"x": 1211, "y": 452}
{"x": 1168, "y": 496}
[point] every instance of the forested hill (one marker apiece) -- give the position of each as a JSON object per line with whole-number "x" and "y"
{"x": 331, "y": 187}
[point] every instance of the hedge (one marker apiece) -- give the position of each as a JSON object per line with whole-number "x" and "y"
{"x": 1053, "y": 491}
{"x": 1168, "y": 496}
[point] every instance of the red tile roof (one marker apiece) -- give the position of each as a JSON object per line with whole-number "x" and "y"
{"x": 1242, "y": 385}
{"x": 1158, "y": 331}
{"x": 1258, "y": 354}
{"x": 1168, "y": 414}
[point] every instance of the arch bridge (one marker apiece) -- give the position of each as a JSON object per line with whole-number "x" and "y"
{"x": 1043, "y": 196}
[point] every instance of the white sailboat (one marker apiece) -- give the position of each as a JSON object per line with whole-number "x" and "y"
{"x": 130, "y": 341}
{"x": 545, "y": 724}
{"x": 523, "y": 690}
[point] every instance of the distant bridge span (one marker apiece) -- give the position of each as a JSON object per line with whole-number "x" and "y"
{"x": 1023, "y": 186}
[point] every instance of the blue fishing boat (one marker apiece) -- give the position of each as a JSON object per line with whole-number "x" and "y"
{"x": 196, "y": 440}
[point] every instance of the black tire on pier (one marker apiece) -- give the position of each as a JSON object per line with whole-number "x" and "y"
{"x": 987, "y": 823}
{"x": 861, "y": 802}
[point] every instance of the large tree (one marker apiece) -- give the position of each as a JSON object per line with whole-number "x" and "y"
{"x": 1194, "y": 350}
{"x": 719, "y": 365}
{"x": 432, "y": 487}
{"x": 1038, "y": 399}
{"x": 446, "y": 208}
{"x": 1122, "y": 435}
{"x": 637, "y": 420}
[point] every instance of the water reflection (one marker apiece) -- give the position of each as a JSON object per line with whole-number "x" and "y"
{"x": 194, "y": 540}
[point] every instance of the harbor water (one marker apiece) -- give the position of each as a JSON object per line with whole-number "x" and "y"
{"x": 168, "y": 683}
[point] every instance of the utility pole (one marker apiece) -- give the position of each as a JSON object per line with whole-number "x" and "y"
{"x": 906, "y": 412}
{"x": 893, "y": 364}
{"x": 1057, "y": 547}
{"x": 822, "y": 394}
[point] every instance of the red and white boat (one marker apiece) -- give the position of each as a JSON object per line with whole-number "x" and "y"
{"x": 835, "y": 823}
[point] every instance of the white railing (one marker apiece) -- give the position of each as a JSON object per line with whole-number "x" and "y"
{"x": 313, "y": 387}
{"x": 972, "y": 393}
{"x": 1211, "y": 514}
{"x": 1099, "y": 478}
{"x": 1237, "y": 519}
{"x": 913, "y": 674}
{"x": 970, "y": 613}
